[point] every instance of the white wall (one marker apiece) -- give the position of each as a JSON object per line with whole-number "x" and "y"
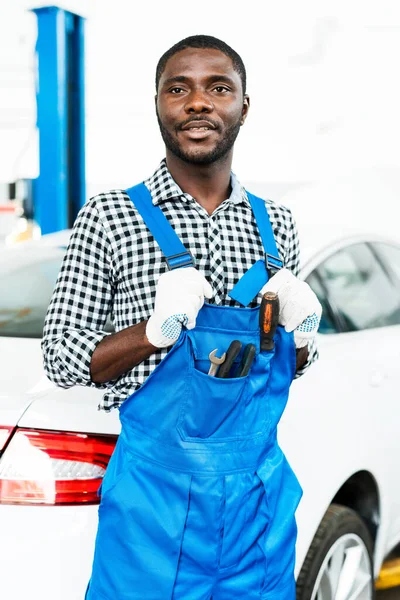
{"x": 322, "y": 77}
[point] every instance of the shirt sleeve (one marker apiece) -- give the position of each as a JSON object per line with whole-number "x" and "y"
{"x": 292, "y": 262}
{"x": 80, "y": 303}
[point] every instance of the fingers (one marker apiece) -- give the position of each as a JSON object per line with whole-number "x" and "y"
{"x": 207, "y": 289}
{"x": 197, "y": 284}
{"x": 187, "y": 280}
{"x": 282, "y": 278}
{"x": 297, "y": 316}
{"x": 297, "y": 304}
{"x": 195, "y": 302}
{"x": 192, "y": 312}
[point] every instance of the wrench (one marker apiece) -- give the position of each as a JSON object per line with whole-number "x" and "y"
{"x": 215, "y": 362}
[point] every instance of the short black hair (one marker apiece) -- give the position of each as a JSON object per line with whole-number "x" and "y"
{"x": 205, "y": 42}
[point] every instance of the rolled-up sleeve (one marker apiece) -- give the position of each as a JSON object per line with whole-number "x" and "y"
{"x": 80, "y": 304}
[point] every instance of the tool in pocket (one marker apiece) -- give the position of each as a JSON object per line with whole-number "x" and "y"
{"x": 215, "y": 362}
{"x": 269, "y": 317}
{"x": 247, "y": 360}
{"x": 231, "y": 355}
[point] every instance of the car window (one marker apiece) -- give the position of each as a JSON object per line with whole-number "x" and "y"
{"x": 25, "y": 295}
{"x": 391, "y": 256}
{"x": 26, "y": 290}
{"x": 359, "y": 289}
{"x": 327, "y": 324}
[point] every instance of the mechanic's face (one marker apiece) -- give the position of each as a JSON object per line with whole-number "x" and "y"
{"x": 200, "y": 105}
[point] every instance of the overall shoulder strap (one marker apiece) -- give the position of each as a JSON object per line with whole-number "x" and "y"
{"x": 178, "y": 256}
{"x": 257, "y": 276}
{"x": 174, "y": 251}
{"x": 265, "y": 229}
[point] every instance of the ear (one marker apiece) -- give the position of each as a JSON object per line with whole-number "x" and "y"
{"x": 245, "y": 108}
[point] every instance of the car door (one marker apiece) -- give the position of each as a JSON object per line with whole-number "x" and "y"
{"x": 365, "y": 301}
{"x": 337, "y": 418}
{"x": 389, "y": 256}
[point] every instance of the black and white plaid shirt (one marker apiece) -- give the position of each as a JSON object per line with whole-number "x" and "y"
{"x": 113, "y": 263}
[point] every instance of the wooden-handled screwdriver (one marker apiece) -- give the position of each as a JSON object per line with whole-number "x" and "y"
{"x": 269, "y": 316}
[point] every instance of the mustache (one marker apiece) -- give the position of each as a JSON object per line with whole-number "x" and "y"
{"x": 194, "y": 119}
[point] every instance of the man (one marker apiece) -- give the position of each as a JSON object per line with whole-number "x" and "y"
{"x": 198, "y": 500}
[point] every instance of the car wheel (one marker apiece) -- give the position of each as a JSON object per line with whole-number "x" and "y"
{"x": 339, "y": 561}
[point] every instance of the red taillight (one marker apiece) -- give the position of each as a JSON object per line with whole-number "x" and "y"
{"x": 54, "y": 467}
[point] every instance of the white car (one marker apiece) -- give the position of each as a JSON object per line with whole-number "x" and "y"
{"x": 340, "y": 430}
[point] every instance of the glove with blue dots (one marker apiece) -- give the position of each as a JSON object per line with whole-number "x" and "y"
{"x": 299, "y": 308}
{"x": 179, "y": 297}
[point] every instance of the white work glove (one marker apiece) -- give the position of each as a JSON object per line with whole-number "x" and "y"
{"x": 179, "y": 297}
{"x": 299, "y": 308}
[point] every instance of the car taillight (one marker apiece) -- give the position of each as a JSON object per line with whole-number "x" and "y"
{"x": 54, "y": 467}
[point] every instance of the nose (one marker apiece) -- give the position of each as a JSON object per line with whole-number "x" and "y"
{"x": 198, "y": 101}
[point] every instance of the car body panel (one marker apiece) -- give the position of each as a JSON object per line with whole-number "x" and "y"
{"x": 338, "y": 437}
{"x": 46, "y": 552}
{"x": 16, "y": 385}
{"x": 53, "y": 545}
{"x": 50, "y": 406}
{"x": 72, "y": 409}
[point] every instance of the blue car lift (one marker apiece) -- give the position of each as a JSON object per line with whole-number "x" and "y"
{"x": 59, "y": 191}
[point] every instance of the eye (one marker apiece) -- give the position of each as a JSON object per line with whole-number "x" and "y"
{"x": 176, "y": 90}
{"x": 221, "y": 89}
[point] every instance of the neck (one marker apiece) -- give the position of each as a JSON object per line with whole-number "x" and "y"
{"x": 208, "y": 184}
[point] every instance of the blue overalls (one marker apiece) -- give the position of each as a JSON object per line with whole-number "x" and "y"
{"x": 198, "y": 500}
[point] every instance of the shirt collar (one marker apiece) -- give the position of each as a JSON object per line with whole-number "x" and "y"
{"x": 163, "y": 187}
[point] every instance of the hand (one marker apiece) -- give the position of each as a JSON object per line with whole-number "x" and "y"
{"x": 300, "y": 310}
{"x": 179, "y": 297}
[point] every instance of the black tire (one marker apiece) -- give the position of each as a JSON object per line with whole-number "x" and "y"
{"x": 337, "y": 522}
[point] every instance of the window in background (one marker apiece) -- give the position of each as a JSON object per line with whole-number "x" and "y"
{"x": 27, "y": 283}
{"x": 359, "y": 289}
{"x": 391, "y": 257}
{"x": 26, "y": 292}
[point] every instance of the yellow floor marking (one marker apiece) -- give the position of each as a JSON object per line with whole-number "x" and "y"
{"x": 389, "y": 576}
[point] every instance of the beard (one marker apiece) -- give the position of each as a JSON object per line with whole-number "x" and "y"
{"x": 199, "y": 157}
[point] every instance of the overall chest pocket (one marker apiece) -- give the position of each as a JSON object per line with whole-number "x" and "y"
{"x": 217, "y": 409}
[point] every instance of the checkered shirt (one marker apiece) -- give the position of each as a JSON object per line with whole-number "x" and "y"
{"x": 113, "y": 263}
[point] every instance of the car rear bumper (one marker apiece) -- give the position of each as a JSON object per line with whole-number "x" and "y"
{"x": 46, "y": 553}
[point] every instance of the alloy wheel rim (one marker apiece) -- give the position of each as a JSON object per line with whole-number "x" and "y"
{"x": 345, "y": 573}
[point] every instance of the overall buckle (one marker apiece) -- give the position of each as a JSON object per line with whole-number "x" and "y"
{"x": 184, "y": 259}
{"x": 272, "y": 264}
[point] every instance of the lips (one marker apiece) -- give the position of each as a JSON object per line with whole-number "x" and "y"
{"x": 198, "y": 126}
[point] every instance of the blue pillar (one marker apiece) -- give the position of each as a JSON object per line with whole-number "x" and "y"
{"x": 59, "y": 191}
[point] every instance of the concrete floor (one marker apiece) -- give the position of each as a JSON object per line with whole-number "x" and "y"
{"x": 393, "y": 594}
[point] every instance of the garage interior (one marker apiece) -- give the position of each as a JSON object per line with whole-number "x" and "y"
{"x": 60, "y": 101}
